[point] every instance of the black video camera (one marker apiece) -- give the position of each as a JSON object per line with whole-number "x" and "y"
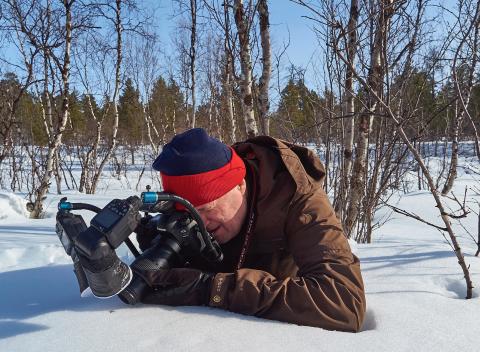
{"x": 178, "y": 237}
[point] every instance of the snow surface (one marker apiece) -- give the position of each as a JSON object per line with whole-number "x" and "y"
{"x": 414, "y": 285}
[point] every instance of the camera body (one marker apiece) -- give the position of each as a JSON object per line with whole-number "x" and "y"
{"x": 179, "y": 236}
{"x": 112, "y": 226}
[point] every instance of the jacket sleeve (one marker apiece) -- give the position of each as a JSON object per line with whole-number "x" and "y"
{"x": 328, "y": 289}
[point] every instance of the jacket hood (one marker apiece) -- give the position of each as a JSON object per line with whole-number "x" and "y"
{"x": 301, "y": 163}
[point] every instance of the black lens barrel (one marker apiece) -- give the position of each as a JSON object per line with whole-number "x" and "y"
{"x": 162, "y": 255}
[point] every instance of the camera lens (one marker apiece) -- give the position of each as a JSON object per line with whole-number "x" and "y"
{"x": 163, "y": 255}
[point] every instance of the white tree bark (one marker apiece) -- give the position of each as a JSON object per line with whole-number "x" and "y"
{"x": 56, "y": 137}
{"x": 192, "y": 55}
{"x": 227, "y": 82}
{"x": 348, "y": 110}
{"x": 375, "y": 81}
{"x": 246, "y": 66}
{"x": 264, "y": 82}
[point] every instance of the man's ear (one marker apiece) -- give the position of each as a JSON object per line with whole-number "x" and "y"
{"x": 243, "y": 187}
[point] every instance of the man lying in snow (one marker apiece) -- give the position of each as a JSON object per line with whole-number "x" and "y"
{"x": 285, "y": 255}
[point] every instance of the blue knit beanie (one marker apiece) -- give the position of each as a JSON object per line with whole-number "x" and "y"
{"x": 198, "y": 167}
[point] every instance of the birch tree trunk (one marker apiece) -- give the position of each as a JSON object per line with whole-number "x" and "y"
{"x": 56, "y": 172}
{"x": 227, "y": 82}
{"x": 246, "y": 66}
{"x": 151, "y": 127}
{"x": 56, "y": 137}
{"x": 348, "y": 110}
{"x": 192, "y": 55}
{"x": 90, "y": 160}
{"x": 264, "y": 82}
{"x": 375, "y": 80}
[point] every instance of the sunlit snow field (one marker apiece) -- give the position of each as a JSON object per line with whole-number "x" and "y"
{"x": 414, "y": 285}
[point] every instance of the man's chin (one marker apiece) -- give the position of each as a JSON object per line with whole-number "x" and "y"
{"x": 223, "y": 238}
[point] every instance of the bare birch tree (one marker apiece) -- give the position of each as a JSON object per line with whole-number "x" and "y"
{"x": 116, "y": 20}
{"x": 375, "y": 82}
{"x": 228, "y": 70}
{"x": 63, "y": 65}
{"x": 218, "y": 13}
{"x": 243, "y": 29}
{"x": 193, "y": 55}
{"x": 264, "y": 81}
{"x": 348, "y": 111}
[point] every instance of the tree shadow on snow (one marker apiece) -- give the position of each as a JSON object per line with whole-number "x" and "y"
{"x": 37, "y": 291}
{"x": 14, "y": 328}
{"x": 450, "y": 285}
{"x": 27, "y": 230}
{"x": 402, "y": 259}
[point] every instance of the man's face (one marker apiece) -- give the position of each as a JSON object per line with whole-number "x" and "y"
{"x": 224, "y": 216}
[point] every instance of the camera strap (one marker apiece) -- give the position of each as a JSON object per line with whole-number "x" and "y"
{"x": 251, "y": 217}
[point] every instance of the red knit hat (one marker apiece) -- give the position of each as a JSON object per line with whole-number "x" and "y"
{"x": 198, "y": 167}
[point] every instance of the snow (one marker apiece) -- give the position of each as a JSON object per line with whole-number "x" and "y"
{"x": 414, "y": 286}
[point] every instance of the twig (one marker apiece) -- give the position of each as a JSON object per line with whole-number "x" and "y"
{"x": 414, "y": 216}
{"x": 478, "y": 231}
{"x": 464, "y": 210}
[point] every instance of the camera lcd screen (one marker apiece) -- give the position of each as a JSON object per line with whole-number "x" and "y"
{"x": 106, "y": 218}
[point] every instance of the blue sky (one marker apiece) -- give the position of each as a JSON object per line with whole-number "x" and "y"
{"x": 285, "y": 17}
{"x": 286, "y": 20}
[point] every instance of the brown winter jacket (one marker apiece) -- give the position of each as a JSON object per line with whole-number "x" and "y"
{"x": 299, "y": 267}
